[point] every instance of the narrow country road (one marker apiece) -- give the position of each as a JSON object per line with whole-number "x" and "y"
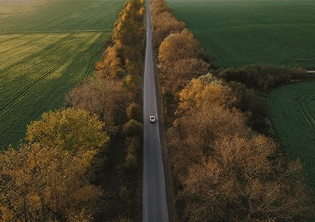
{"x": 154, "y": 196}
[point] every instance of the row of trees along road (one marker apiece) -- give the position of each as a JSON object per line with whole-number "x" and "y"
{"x": 55, "y": 175}
{"x": 222, "y": 170}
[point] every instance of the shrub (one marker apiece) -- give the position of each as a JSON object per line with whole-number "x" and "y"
{"x": 124, "y": 194}
{"x": 262, "y": 77}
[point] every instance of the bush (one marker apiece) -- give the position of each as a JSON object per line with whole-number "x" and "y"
{"x": 261, "y": 77}
{"x": 124, "y": 194}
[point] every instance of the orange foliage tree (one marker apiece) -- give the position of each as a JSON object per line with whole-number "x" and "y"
{"x": 227, "y": 172}
{"x": 240, "y": 182}
{"x": 175, "y": 47}
{"x": 43, "y": 183}
{"x": 102, "y": 96}
{"x": 181, "y": 72}
{"x": 69, "y": 129}
{"x": 48, "y": 179}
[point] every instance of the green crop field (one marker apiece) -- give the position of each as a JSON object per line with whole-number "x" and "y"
{"x": 292, "y": 112}
{"x": 242, "y": 32}
{"x": 46, "y": 48}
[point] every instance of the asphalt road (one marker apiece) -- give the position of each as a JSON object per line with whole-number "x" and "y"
{"x": 154, "y": 195}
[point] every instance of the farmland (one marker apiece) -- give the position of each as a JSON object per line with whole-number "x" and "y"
{"x": 242, "y": 32}
{"x": 292, "y": 112}
{"x": 46, "y": 49}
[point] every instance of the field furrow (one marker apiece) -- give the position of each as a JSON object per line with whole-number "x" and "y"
{"x": 7, "y": 50}
{"x": 24, "y": 54}
{"x": 6, "y": 38}
{"x": 37, "y": 80}
{"x": 292, "y": 114}
{"x": 46, "y": 49}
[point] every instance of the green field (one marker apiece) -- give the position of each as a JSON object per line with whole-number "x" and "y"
{"x": 292, "y": 112}
{"x": 46, "y": 49}
{"x": 242, "y": 32}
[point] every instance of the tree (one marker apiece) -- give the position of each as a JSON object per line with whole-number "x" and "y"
{"x": 175, "y": 47}
{"x": 132, "y": 83}
{"x": 164, "y": 24}
{"x": 129, "y": 28}
{"x": 240, "y": 183}
{"x": 193, "y": 135}
{"x": 101, "y": 96}
{"x": 133, "y": 128}
{"x": 197, "y": 95}
{"x": 111, "y": 64}
{"x": 134, "y": 112}
{"x": 181, "y": 72}
{"x": 69, "y": 129}
{"x": 45, "y": 183}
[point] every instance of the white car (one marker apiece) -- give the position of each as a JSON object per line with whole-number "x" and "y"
{"x": 152, "y": 119}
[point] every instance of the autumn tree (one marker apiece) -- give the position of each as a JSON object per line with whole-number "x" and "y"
{"x": 101, "y": 96}
{"x": 175, "y": 47}
{"x": 132, "y": 83}
{"x": 134, "y": 112}
{"x": 181, "y": 72}
{"x": 40, "y": 182}
{"x": 165, "y": 24}
{"x": 48, "y": 179}
{"x": 197, "y": 95}
{"x": 133, "y": 128}
{"x": 241, "y": 182}
{"x": 158, "y": 7}
{"x": 128, "y": 30}
{"x": 193, "y": 134}
{"x": 111, "y": 64}
{"x": 212, "y": 151}
{"x": 69, "y": 129}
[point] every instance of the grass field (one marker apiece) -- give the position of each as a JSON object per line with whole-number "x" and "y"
{"x": 243, "y": 32}
{"x": 292, "y": 112}
{"x": 46, "y": 49}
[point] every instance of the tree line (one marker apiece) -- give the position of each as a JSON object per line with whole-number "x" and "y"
{"x": 222, "y": 168}
{"x": 56, "y": 174}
